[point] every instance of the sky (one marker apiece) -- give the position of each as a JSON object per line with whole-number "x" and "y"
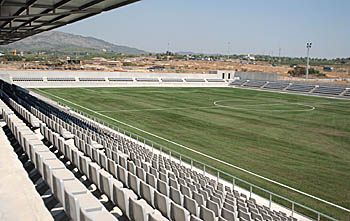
{"x": 226, "y": 26}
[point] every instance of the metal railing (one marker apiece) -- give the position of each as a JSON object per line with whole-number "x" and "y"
{"x": 204, "y": 167}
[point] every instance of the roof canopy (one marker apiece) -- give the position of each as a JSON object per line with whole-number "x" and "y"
{"x": 22, "y": 18}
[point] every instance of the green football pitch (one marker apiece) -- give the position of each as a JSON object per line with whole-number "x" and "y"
{"x": 300, "y": 141}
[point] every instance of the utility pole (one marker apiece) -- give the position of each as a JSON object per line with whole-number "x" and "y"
{"x": 308, "y": 46}
{"x": 228, "y": 48}
{"x": 279, "y": 55}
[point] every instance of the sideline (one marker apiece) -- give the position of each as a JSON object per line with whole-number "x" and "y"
{"x": 200, "y": 153}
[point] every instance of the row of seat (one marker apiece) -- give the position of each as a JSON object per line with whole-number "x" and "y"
{"x": 306, "y": 88}
{"x": 60, "y": 79}
{"x": 347, "y": 93}
{"x": 276, "y": 85}
{"x": 329, "y": 90}
{"x": 77, "y": 201}
{"x": 255, "y": 84}
{"x": 27, "y": 79}
{"x": 80, "y": 144}
{"x": 45, "y": 133}
{"x": 127, "y": 177}
{"x": 301, "y": 87}
{"x": 165, "y": 190}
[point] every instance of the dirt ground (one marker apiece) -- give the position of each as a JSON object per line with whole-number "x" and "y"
{"x": 141, "y": 64}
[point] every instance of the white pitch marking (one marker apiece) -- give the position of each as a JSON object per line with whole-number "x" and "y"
{"x": 160, "y": 109}
{"x": 205, "y": 155}
{"x": 311, "y": 108}
{"x": 162, "y": 92}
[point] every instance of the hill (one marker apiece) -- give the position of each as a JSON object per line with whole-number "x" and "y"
{"x": 64, "y": 43}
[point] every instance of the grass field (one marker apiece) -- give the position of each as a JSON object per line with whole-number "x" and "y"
{"x": 300, "y": 141}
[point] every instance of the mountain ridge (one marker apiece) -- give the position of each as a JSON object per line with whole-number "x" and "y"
{"x": 57, "y": 41}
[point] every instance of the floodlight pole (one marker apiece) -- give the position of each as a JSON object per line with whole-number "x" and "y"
{"x": 308, "y": 46}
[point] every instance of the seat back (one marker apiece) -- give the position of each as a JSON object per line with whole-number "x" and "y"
{"x": 136, "y": 211}
{"x": 191, "y": 205}
{"x": 206, "y": 214}
{"x": 147, "y": 193}
{"x": 162, "y": 204}
{"x": 178, "y": 213}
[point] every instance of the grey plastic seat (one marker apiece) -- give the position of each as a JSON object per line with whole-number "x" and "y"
{"x": 163, "y": 177}
{"x": 198, "y": 198}
{"x": 206, "y": 214}
{"x": 122, "y": 175}
{"x": 195, "y": 218}
{"x": 140, "y": 173}
{"x": 275, "y": 218}
{"x": 192, "y": 187}
{"x": 173, "y": 183}
{"x": 163, "y": 187}
{"x": 105, "y": 181}
{"x": 113, "y": 194}
{"x": 112, "y": 168}
{"x": 185, "y": 191}
{"x": 252, "y": 209}
{"x": 191, "y": 205}
{"x": 29, "y": 144}
{"x": 204, "y": 193}
{"x": 151, "y": 180}
{"x": 145, "y": 166}
{"x": 178, "y": 213}
{"x": 216, "y": 200}
{"x": 134, "y": 183}
{"x": 214, "y": 207}
{"x": 40, "y": 157}
{"x": 131, "y": 167}
{"x": 228, "y": 215}
{"x": 223, "y": 219}
{"x": 154, "y": 172}
{"x": 59, "y": 177}
{"x": 256, "y": 216}
{"x": 156, "y": 217}
{"x": 230, "y": 201}
{"x": 103, "y": 160}
{"x": 139, "y": 210}
{"x": 229, "y": 207}
{"x": 48, "y": 167}
{"x": 147, "y": 193}
{"x": 123, "y": 162}
{"x": 73, "y": 190}
{"x": 93, "y": 215}
{"x": 243, "y": 215}
{"x": 92, "y": 209}
{"x": 266, "y": 217}
{"x": 176, "y": 196}
{"x": 123, "y": 197}
{"x": 94, "y": 173}
{"x": 84, "y": 164}
{"x": 162, "y": 203}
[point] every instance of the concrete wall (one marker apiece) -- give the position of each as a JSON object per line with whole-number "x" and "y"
{"x": 5, "y": 77}
{"x": 256, "y": 76}
{"x": 224, "y": 74}
{"x": 46, "y": 84}
{"x": 134, "y": 75}
{"x": 26, "y": 73}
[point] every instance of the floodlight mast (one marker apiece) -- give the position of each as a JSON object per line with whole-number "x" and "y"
{"x": 308, "y": 46}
